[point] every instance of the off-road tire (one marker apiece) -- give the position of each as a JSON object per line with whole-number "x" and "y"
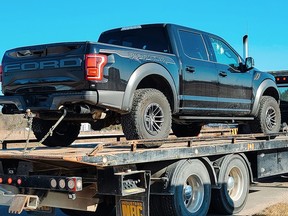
{"x": 149, "y": 118}
{"x": 189, "y": 130}
{"x": 268, "y": 119}
{"x": 63, "y": 135}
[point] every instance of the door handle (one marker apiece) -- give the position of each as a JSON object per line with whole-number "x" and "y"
{"x": 190, "y": 69}
{"x": 223, "y": 74}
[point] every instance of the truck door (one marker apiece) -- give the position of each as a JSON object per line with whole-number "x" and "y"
{"x": 199, "y": 89}
{"x": 235, "y": 86}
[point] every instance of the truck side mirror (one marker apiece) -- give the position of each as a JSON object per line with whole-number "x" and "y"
{"x": 249, "y": 63}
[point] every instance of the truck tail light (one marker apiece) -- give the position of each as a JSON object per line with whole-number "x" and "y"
{"x": 94, "y": 64}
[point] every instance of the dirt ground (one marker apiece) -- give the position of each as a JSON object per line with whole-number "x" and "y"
{"x": 279, "y": 209}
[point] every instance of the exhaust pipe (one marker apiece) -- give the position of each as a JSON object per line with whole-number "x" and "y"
{"x": 245, "y": 46}
{"x": 82, "y": 109}
{"x": 85, "y": 109}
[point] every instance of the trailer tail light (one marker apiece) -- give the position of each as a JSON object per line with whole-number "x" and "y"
{"x": 68, "y": 183}
{"x": 10, "y": 180}
{"x": 62, "y": 184}
{"x": 94, "y": 65}
{"x": 19, "y": 181}
{"x": 53, "y": 183}
{"x": 74, "y": 183}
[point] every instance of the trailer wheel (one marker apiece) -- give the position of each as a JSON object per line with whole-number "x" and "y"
{"x": 268, "y": 119}
{"x": 150, "y": 117}
{"x": 234, "y": 182}
{"x": 189, "y": 130}
{"x": 191, "y": 189}
{"x": 64, "y": 134}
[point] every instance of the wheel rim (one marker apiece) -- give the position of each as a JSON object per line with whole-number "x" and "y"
{"x": 235, "y": 184}
{"x": 271, "y": 118}
{"x": 153, "y": 118}
{"x": 193, "y": 193}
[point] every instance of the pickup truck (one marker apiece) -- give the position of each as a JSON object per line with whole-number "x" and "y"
{"x": 149, "y": 78}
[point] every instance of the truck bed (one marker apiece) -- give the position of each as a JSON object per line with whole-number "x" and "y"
{"x": 105, "y": 154}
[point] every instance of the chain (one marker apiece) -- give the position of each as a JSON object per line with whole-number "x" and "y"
{"x": 50, "y": 132}
{"x": 29, "y": 115}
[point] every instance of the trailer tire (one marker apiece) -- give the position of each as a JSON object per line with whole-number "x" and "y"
{"x": 188, "y": 130}
{"x": 268, "y": 119}
{"x": 234, "y": 181}
{"x": 63, "y": 135}
{"x": 149, "y": 118}
{"x": 191, "y": 188}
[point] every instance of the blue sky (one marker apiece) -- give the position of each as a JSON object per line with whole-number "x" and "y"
{"x": 28, "y": 22}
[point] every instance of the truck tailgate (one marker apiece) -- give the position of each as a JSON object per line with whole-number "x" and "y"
{"x": 42, "y": 68}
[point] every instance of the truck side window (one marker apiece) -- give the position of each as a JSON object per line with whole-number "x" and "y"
{"x": 148, "y": 38}
{"x": 193, "y": 45}
{"x": 223, "y": 53}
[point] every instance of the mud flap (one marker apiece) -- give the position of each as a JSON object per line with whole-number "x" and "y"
{"x": 136, "y": 204}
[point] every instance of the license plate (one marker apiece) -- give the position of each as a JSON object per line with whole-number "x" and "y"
{"x": 132, "y": 208}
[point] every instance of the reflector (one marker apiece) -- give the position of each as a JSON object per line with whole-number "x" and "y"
{"x": 10, "y": 180}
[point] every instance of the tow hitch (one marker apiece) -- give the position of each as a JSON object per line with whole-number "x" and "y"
{"x": 22, "y": 202}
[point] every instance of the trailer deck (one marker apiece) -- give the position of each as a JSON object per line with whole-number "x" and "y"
{"x": 130, "y": 175}
{"x": 130, "y": 152}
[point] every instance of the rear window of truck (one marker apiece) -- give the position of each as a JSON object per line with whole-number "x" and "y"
{"x": 148, "y": 38}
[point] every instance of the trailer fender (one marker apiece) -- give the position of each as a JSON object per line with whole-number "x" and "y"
{"x": 211, "y": 170}
{"x": 248, "y": 165}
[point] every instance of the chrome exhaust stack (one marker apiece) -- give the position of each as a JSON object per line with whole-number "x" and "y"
{"x": 245, "y": 46}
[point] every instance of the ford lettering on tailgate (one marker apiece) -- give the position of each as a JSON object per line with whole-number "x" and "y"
{"x": 41, "y": 65}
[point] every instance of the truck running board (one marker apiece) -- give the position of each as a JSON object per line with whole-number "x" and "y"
{"x": 211, "y": 118}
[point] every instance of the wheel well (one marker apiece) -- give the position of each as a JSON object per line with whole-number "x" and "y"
{"x": 272, "y": 92}
{"x": 160, "y": 83}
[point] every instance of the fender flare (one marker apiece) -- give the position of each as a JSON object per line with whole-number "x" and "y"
{"x": 260, "y": 91}
{"x": 139, "y": 74}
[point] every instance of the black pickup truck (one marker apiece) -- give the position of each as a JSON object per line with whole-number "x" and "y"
{"x": 149, "y": 78}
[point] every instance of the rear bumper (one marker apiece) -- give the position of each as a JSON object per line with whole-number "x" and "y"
{"x": 17, "y": 101}
{"x": 19, "y": 104}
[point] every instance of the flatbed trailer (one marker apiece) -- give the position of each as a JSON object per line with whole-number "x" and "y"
{"x": 185, "y": 176}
